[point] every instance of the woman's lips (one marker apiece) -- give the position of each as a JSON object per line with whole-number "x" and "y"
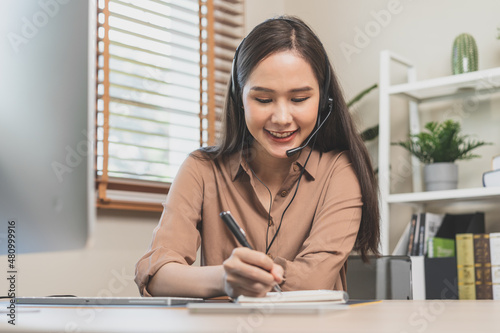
{"x": 284, "y": 136}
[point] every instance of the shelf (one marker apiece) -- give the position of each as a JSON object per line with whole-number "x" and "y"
{"x": 480, "y": 193}
{"x": 468, "y": 84}
{"x": 474, "y": 85}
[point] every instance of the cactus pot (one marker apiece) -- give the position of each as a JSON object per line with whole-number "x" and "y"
{"x": 464, "y": 54}
{"x": 440, "y": 176}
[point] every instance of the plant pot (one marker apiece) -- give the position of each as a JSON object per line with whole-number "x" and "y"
{"x": 440, "y": 176}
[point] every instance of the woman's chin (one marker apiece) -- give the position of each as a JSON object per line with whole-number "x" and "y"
{"x": 279, "y": 153}
{"x": 278, "y": 150}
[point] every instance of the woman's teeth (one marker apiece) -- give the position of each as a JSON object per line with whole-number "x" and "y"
{"x": 281, "y": 135}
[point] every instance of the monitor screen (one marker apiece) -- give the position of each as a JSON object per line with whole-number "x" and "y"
{"x": 46, "y": 124}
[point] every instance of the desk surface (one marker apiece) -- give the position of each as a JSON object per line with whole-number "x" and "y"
{"x": 385, "y": 316}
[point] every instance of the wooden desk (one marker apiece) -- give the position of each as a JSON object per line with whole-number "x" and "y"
{"x": 385, "y": 316}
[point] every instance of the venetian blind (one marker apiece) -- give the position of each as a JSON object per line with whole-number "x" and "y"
{"x": 223, "y": 29}
{"x": 152, "y": 83}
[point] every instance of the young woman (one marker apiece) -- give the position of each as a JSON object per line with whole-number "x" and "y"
{"x": 303, "y": 212}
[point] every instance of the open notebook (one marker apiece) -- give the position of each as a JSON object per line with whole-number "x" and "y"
{"x": 300, "y": 297}
{"x": 288, "y": 302}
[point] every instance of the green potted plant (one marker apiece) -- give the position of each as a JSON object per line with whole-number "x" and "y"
{"x": 438, "y": 148}
{"x": 372, "y": 132}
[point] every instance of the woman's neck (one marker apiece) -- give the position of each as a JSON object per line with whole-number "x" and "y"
{"x": 270, "y": 170}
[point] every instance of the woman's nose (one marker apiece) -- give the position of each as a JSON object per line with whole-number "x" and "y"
{"x": 281, "y": 114}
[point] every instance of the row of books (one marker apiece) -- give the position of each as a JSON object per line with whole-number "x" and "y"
{"x": 424, "y": 227}
{"x": 492, "y": 178}
{"x": 433, "y": 235}
{"x": 474, "y": 255}
{"x": 478, "y": 265}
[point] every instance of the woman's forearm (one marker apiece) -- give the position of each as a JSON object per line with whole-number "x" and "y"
{"x": 175, "y": 279}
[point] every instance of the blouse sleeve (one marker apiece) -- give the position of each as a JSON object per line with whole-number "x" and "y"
{"x": 319, "y": 263}
{"x": 181, "y": 216}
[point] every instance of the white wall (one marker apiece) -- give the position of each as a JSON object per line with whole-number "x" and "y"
{"x": 104, "y": 268}
{"x": 423, "y": 31}
{"x": 257, "y": 11}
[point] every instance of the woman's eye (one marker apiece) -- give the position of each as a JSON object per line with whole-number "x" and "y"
{"x": 298, "y": 100}
{"x": 263, "y": 100}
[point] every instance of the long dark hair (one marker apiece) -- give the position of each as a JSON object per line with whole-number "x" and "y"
{"x": 338, "y": 133}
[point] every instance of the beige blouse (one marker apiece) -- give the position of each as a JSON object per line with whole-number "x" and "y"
{"x": 317, "y": 234}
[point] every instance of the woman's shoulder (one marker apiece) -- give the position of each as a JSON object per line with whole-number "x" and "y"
{"x": 200, "y": 154}
{"x": 206, "y": 167}
{"x": 196, "y": 166}
{"x": 199, "y": 158}
{"x": 335, "y": 157}
{"x": 336, "y": 168}
{"x": 206, "y": 155}
{"x": 206, "y": 158}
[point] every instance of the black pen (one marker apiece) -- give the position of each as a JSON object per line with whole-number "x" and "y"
{"x": 240, "y": 235}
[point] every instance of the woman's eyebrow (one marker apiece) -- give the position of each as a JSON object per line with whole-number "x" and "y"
{"x": 301, "y": 89}
{"x": 306, "y": 88}
{"x": 257, "y": 88}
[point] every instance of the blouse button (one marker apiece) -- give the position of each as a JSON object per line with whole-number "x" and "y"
{"x": 271, "y": 222}
{"x": 270, "y": 256}
{"x": 284, "y": 193}
{"x": 295, "y": 167}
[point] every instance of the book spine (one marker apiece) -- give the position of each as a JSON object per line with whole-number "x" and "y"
{"x": 465, "y": 266}
{"x": 412, "y": 234}
{"x": 432, "y": 224}
{"x": 421, "y": 235}
{"x": 495, "y": 263}
{"x": 414, "y": 251}
{"x": 430, "y": 248}
{"x": 482, "y": 266}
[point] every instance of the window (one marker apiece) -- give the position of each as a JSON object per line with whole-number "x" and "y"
{"x": 162, "y": 71}
{"x": 222, "y": 31}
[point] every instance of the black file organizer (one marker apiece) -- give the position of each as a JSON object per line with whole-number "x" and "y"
{"x": 441, "y": 278}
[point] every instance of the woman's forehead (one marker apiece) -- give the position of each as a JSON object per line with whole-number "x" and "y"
{"x": 285, "y": 68}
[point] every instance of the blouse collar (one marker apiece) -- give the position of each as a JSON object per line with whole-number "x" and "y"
{"x": 238, "y": 164}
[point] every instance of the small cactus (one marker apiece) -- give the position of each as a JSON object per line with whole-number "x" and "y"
{"x": 464, "y": 55}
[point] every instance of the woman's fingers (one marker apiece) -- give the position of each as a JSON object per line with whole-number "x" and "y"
{"x": 277, "y": 272}
{"x": 250, "y": 273}
{"x": 254, "y": 258}
{"x": 242, "y": 286}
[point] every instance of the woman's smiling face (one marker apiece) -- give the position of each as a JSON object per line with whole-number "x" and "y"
{"x": 280, "y": 100}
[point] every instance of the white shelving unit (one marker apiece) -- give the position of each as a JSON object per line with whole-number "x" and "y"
{"x": 417, "y": 92}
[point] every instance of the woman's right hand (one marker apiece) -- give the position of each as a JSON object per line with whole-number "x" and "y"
{"x": 250, "y": 273}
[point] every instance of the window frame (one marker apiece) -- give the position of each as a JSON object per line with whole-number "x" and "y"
{"x": 147, "y": 195}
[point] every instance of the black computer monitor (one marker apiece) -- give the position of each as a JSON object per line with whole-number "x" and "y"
{"x": 47, "y": 105}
